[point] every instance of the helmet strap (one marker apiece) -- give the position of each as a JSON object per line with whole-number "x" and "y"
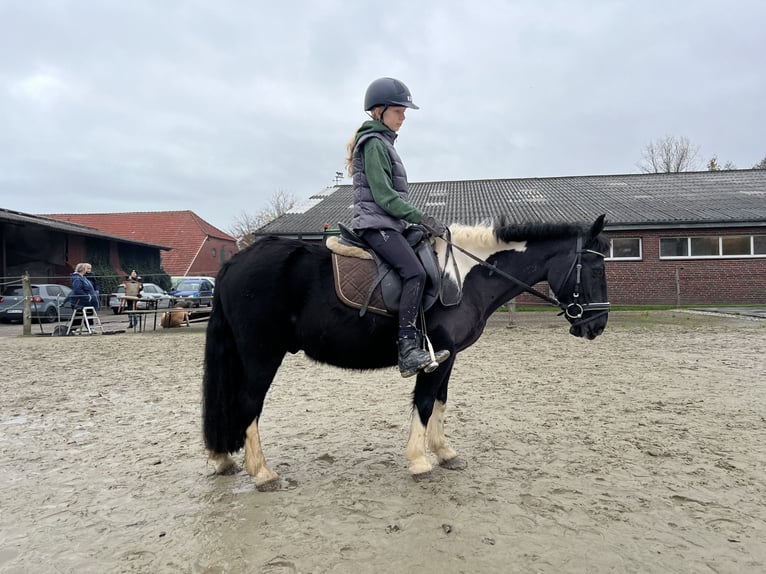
{"x": 383, "y": 111}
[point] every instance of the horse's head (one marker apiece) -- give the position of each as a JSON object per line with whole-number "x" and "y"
{"x": 579, "y": 282}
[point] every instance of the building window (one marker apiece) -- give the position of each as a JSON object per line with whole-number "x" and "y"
{"x": 710, "y": 247}
{"x": 212, "y": 252}
{"x": 625, "y": 248}
{"x": 674, "y": 247}
{"x": 704, "y": 246}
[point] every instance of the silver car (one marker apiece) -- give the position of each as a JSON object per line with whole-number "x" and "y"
{"x": 47, "y": 303}
{"x": 150, "y": 292}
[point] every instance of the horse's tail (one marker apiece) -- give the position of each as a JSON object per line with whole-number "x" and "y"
{"x": 222, "y": 383}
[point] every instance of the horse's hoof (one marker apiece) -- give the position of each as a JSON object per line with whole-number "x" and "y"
{"x": 421, "y": 476}
{"x": 266, "y": 479}
{"x": 270, "y": 485}
{"x": 230, "y": 469}
{"x": 420, "y": 468}
{"x": 223, "y": 463}
{"x": 454, "y": 463}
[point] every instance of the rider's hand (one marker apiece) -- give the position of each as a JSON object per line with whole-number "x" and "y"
{"x": 433, "y": 226}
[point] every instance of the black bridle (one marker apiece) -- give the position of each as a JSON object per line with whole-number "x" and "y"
{"x": 574, "y": 310}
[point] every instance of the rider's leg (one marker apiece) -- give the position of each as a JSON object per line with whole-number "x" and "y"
{"x": 393, "y": 248}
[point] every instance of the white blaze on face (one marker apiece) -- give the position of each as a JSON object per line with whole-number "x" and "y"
{"x": 479, "y": 241}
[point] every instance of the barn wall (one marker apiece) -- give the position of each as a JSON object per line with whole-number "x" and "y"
{"x": 688, "y": 281}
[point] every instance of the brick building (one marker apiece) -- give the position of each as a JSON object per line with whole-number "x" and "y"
{"x": 198, "y": 248}
{"x": 683, "y": 238}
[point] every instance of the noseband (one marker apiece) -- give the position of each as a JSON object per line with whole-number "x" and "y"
{"x": 574, "y": 310}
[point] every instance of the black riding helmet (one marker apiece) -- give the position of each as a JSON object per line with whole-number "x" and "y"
{"x": 388, "y": 92}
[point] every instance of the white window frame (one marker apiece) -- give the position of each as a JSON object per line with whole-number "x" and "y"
{"x": 611, "y": 257}
{"x": 720, "y": 238}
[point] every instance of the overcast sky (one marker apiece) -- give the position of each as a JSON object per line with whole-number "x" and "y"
{"x": 218, "y": 105}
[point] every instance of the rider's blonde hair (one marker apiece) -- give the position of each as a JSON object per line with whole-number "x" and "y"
{"x": 375, "y": 113}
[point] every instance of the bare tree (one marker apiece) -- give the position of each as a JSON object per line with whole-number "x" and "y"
{"x": 669, "y": 155}
{"x": 246, "y": 223}
{"x": 761, "y": 164}
{"x": 713, "y": 164}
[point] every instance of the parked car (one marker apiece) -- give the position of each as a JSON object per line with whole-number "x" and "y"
{"x": 198, "y": 291}
{"x": 47, "y": 303}
{"x": 150, "y": 292}
{"x": 175, "y": 280}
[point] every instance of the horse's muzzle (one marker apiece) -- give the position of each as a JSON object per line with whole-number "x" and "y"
{"x": 590, "y": 325}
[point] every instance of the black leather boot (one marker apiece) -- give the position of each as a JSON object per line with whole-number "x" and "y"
{"x": 412, "y": 356}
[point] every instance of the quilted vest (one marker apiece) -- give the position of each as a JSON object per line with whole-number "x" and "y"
{"x": 368, "y": 214}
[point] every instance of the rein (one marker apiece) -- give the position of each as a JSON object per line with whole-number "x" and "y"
{"x": 573, "y": 310}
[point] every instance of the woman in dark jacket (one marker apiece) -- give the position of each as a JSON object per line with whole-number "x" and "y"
{"x": 83, "y": 294}
{"x": 382, "y": 210}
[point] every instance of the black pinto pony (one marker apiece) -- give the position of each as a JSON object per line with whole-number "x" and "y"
{"x": 277, "y": 296}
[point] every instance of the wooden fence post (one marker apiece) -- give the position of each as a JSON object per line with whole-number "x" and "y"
{"x": 511, "y": 312}
{"x": 26, "y": 291}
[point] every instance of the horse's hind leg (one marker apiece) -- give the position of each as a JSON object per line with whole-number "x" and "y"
{"x": 261, "y": 372}
{"x": 222, "y": 462}
{"x": 255, "y": 461}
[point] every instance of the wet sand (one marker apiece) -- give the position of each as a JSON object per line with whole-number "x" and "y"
{"x": 641, "y": 451}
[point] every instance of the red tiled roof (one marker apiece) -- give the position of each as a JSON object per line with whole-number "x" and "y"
{"x": 184, "y": 231}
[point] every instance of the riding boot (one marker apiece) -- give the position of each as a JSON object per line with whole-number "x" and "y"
{"x": 412, "y": 356}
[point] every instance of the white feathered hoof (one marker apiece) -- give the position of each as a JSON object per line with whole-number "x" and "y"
{"x": 420, "y": 468}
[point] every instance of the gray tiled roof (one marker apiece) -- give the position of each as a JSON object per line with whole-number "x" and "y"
{"x": 728, "y": 198}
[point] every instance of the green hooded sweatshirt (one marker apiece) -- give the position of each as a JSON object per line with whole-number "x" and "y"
{"x": 378, "y": 169}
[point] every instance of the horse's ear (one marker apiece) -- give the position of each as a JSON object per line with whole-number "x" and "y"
{"x": 598, "y": 226}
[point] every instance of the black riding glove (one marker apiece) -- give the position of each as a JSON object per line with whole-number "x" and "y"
{"x": 435, "y": 227}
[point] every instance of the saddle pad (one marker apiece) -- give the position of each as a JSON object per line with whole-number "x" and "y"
{"x": 353, "y": 278}
{"x": 337, "y": 246}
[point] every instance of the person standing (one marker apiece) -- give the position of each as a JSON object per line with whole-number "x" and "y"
{"x": 133, "y": 286}
{"x": 382, "y": 211}
{"x": 92, "y": 278}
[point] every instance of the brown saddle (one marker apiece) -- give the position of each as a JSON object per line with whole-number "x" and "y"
{"x": 363, "y": 281}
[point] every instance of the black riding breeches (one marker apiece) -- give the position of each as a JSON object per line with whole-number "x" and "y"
{"x": 393, "y": 248}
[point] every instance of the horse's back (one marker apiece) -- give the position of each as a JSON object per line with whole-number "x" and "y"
{"x": 280, "y": 293}
{"x": 270, "y": 278}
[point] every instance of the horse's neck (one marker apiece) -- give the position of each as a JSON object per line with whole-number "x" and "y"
{"x": 484, "y": 289}
{"x": 481, "y": 244}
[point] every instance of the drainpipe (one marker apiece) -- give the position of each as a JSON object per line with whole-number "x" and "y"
{"x": 207, "y": 238}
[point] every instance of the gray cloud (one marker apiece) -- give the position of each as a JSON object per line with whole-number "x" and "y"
{"x": 214, "y": 107}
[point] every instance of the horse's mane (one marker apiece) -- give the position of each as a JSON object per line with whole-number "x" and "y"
{"x": 488, "y": 234}
{"x": 505, "y": 231}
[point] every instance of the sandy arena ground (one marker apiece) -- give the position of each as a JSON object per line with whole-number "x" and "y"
{"x": 641, "y": 451}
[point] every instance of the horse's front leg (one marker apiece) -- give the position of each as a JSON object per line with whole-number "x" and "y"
{"x": 437, "y": 440}
{"x": 427, "y": 426}
{"x": 416, "y": 445}
{"x": 255, "y": 462}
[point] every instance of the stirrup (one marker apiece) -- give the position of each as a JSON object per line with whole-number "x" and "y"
{"x": 437, "y": 357}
